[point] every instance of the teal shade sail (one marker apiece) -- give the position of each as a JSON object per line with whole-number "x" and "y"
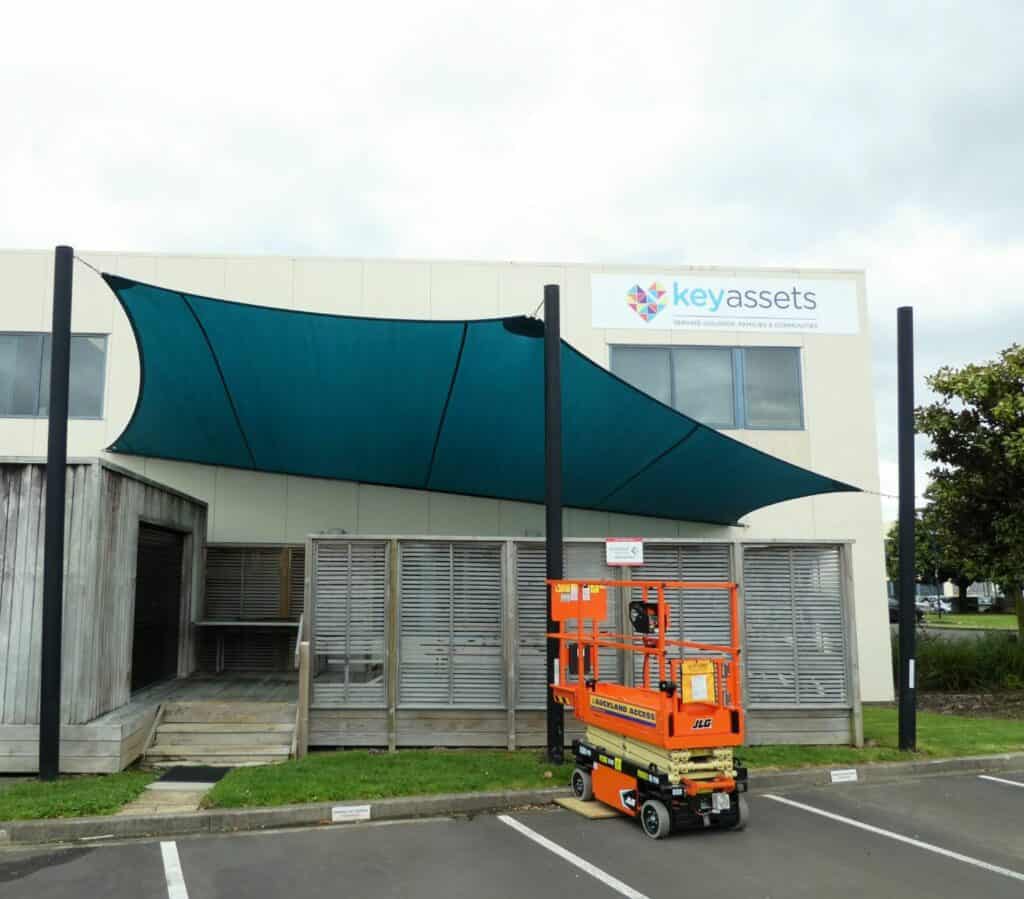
{"x": 450, "y": 406}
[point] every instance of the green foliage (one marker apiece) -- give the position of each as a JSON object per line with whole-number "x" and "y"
{"x": 72, "y": 796}
{"x": 990, "y": 662}
{"x": 935, "y": 551}
{"x": 976, "y": 427}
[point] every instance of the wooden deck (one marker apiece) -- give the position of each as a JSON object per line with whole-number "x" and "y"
{"x": 113, "y": 741}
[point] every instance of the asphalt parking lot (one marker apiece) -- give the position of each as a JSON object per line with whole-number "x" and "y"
{"x": 933, "y": 837}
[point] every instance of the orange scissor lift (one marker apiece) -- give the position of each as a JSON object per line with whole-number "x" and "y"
{"x": 661, "y": 750}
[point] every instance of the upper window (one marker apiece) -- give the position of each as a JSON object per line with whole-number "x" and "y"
{"x": 25, "y": 375}
{"x": 724, "y": 387}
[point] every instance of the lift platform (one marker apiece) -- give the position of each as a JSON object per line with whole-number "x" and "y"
{"x": 660, "y": 749}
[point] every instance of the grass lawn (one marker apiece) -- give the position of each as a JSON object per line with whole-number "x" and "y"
{"x": 990, "y": 620}
{"x": 72, "y": 796}
{"x": 330, "y": 776}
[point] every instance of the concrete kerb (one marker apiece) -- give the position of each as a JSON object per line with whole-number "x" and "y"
{"x": 217, "y": 821}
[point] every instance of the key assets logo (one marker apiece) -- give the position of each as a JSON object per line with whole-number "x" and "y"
{"x": 646, "y": 303}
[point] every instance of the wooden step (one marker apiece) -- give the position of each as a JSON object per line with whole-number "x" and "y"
{"x": 223, "y": 738}
{"x": 177, "y": 751}
{"x": 206, "y": 727}
{"x": 229, "y": 712}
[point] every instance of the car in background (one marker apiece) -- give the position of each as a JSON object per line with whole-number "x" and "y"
{"x": 894, "y": 611}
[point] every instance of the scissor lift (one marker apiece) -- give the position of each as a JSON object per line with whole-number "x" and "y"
{"x": 660, "y": 750}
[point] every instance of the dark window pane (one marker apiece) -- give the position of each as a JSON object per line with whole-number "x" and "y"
{"x": 703, "y": 386}
{"x": 85, "y": 394}
{"x": 772, "y": 387}
{"x": 20, "y": 366}
{"x": 646, "y": 368}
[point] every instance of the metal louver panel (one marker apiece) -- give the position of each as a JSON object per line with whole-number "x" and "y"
{"x": 478, "y": 671}
{"x": 261, "y": 583}
{"x": 245, "y": 582}
{"x": 579, "y": 560}
{"x": 450, "y": 625}
{"x": 297, "y": 582}
{"x": 532, "y": 615}
{"x": 586, "y": 560}
{"x": 223, "y": 582}
{"x": 351, "y": 579}
{"x": 820, "y": 631}
{"x": 795, "y": 635}
{"x": 425, "y": 622}
{"x": 704, "y": 614}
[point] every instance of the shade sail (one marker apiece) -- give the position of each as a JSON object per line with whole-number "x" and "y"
{"x": 452, "y": 406}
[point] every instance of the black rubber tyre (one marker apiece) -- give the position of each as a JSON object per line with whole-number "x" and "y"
{"x": 744, "y": 813}
{"x": 655, "y": 819}
{"x": 582, "y": 785}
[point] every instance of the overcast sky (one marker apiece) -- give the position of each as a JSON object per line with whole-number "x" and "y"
{"x": 828, "y": 134}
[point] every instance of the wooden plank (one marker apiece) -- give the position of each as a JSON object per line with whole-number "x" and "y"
{"x": 796, "y": 726}
{"x": 10, "y": 484}
{"x": 103, "y": 732}
{"x": 811, "y": 738}
{"x": 302, "y": 712}
{"x": 28, "y": 597}
{"x": 76, "y": 748}
{"x": 285, "y": 606}
{"x": 852, "y": 652}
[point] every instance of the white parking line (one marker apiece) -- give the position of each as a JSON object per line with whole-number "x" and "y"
{"x": 1002, "y": 780}
{"x": 572, "y": 858}
{"x": 920, "y": 844}
{"x": 172, "y": 871}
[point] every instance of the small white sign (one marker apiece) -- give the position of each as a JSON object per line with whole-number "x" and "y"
{"x": 624, "y": 551}
{"x": 843, "y": 775}
{"x": 910, "y": 674}
{"x": 342, "y": 813}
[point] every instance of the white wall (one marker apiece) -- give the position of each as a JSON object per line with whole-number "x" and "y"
{"x": 839, "y": 439}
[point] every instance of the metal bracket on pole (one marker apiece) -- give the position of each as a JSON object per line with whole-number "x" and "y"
{"x": 53, "y": 553}
{"x": 908, "y": 521}
{"x": 553, "y": 500}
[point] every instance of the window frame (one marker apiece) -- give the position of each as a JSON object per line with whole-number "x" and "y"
{"x": 103, "y": 391}
{"x": 739, "y": 383}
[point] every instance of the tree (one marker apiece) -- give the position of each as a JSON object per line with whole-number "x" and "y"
{"x": 935, "y": 554}
{"x": 976, "y": 426}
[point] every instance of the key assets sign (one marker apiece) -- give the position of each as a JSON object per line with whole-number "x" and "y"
{"x": 698, "y": 301}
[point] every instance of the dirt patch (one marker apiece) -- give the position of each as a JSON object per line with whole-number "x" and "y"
{"x": 1008, "y": 704}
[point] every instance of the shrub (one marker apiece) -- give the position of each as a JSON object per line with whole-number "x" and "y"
{"x": 992, "y": 662}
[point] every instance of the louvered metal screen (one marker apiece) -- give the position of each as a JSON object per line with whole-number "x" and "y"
{"x": 586, "y": 560}
{"x": 349, "y": 629}
{"x": 532, "y": 615}
{"x": 450, "y": 625}
{"x": 297, "y": 582}
{"x": 245, "y": 582}
{"x": 795, "y": 631}
{"x": 705, "y": 613}
{"x": 579, "y": 560}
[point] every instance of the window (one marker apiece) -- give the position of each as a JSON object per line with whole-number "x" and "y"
{"x": 25, "y": 375}
{"x": 724, "y": 387}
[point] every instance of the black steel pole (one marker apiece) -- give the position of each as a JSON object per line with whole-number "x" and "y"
{"x": 53, "y": 553}
{"x": 553, "y": 497}
{"x": 908, "y": 521}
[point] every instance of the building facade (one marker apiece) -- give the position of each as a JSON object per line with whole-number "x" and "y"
{"x": 778, "y": 359}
